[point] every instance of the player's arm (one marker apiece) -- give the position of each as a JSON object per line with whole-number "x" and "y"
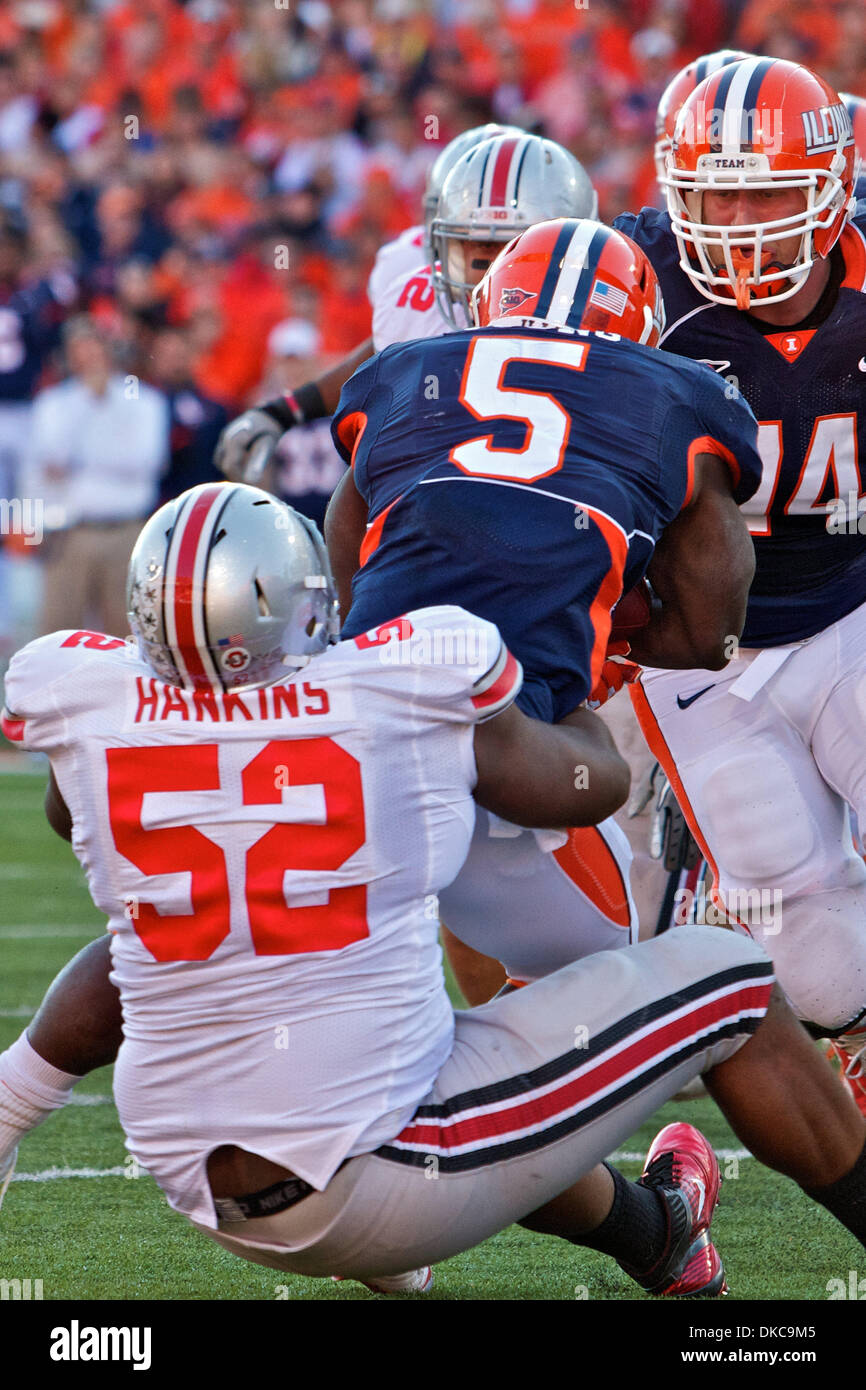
{"x": 701, "y": 571}
{"x": 345, "y": 528}
{"x": 548, "y": 775}
{"x": 56, "y": 809}
{"x": 246, "y": 445}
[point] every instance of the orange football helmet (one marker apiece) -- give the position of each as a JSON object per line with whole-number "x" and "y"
{"x": 761, "y": 123}
{"x": 573, "y": 273}
{"x": 676, "y": 92}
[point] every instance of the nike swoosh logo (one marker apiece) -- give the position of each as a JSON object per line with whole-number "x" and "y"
{"x": 700, "y": 1184}
{"x": 862, "y": 364}
{"x": 717, "y": 365}
{"x": 684, "y": 704}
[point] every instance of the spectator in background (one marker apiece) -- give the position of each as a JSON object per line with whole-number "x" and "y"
{"x": 98, "y": 445}
{"x": 221, "y": 166}
{"x": 306, "y": 466}
{"x": 31, "y": 313}
{"x": 32, "y": 308}
{"x": 195, "y": 419}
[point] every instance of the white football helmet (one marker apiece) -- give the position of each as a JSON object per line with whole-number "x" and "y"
{"x": 229, "y": 589}
{"x": 444, "y": 163}
{"x": 493, "y": 193}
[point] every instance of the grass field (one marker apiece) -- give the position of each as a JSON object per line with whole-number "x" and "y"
{"x": 78, "y": 1221}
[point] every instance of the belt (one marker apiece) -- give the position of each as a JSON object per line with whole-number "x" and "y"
{"x": 267, "y": 1202}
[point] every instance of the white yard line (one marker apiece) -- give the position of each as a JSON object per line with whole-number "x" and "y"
{"x": 626, "y": 1156}
{"x": 30, "y": 932}
{"x": 120, "y": 1171}
{"x": 56, "y": 1174}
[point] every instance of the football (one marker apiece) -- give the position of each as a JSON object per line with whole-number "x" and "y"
{"x": 633, "y": 612}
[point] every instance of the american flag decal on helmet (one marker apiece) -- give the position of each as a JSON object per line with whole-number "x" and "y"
{"x": 608, "y": 297}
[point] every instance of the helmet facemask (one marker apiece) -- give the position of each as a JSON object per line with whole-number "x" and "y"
{"x": 737, "y": 261}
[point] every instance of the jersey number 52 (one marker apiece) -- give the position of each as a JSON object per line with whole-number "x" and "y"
{"x": 277, "y": 929}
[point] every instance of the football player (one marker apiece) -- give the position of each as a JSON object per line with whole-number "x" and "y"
{"x": 514, "y": 180}
{"x": 763, "y": 271}
{"x": 498, "y": 469}
{"x": 291, "y": 1070}
{"x": 401, "y": 276}
{"x": 495, "y": 189}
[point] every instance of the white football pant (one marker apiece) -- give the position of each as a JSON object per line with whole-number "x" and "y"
{"x": 765, "y": 759}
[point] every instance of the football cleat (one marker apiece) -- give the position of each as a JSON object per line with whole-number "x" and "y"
{"x": 848, "y": 1051}
{"x": 682, "y": 1168}
{"x": 415, "y": 1281}
{"x": 7, "y": 1168}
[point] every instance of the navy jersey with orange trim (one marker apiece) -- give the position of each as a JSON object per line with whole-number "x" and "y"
{"x": 527, "y": 474}
{"x": 806, "y": 389}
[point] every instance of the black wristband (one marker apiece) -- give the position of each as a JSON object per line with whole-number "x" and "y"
{"x": 296, "y": 407}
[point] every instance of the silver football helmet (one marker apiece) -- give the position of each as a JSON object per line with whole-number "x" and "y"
{"x": 444, "y": 163}
{"x": 493, "y": 193}
{"x": 229, "y": 589}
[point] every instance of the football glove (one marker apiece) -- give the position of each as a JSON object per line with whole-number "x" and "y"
{"x": 616, "y": 672}
{"x": 246, "y": 446}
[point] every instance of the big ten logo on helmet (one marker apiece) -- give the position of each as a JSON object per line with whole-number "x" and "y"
{"x": 729, "y": 130}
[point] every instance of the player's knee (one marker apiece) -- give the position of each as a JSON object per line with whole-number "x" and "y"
{"x": 818, "y": 946}
{"x": 775, "y": 833}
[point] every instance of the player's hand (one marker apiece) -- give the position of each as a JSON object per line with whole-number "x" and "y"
{"x": 616, "y": 672}
{"x": 246, "y": 446}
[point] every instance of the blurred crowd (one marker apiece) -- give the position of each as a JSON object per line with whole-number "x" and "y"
{"x": 192, "y": 196}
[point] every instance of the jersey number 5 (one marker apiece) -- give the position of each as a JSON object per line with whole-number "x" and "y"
{"x": 277, "y": 930}
{"x": 547, "y": 422}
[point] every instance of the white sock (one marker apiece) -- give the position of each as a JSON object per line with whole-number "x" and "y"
{"x": 30, "y": 1088}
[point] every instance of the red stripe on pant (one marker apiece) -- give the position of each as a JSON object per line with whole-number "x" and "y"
{"x": 581, "y": 1088}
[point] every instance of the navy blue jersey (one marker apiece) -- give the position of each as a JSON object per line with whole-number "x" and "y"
{"x": 195, "y": 425}
{"x": 806, "y": 388}
{"x": 526, "y": 474}
{"x": 31, "y": 316}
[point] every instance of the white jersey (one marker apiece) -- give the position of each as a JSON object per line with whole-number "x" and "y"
{"x": 401, "y": 293}
{"x": 395, "y": 259}
{"x": 269, "y": 864}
